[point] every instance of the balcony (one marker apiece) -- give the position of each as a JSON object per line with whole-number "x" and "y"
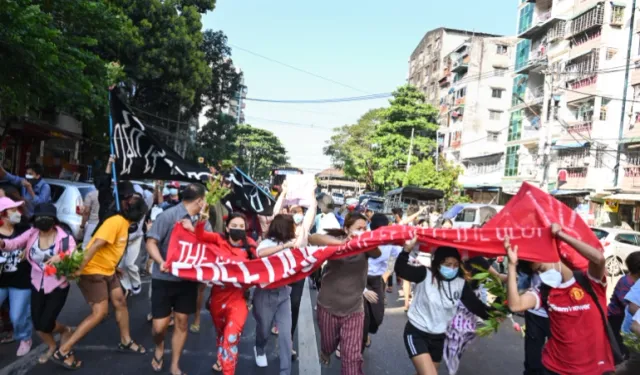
{"x": 535, "y": 64}
{"x": 459, "y": 102}
{"x": 445, "y": 80}
{"x": 580, "y": 127}
{"x": 542, "y": 23}
{"x": 460, "y": 65}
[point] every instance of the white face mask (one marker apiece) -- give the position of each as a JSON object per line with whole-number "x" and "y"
{"x": 173, "y": 191}
{"x": 29, "y": 177}
{"x": 15, "y": 217}
{"x": 357, "y": 233}
{"x": 552, "y": 277}
{"x": 297, "y": 218}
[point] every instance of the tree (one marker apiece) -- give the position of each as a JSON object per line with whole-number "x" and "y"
{"x": 216, "y": 141}
{"x": 407, "y": 115}
{"x": 51, "y": 55}
{"x": 259, "y": 151}
{"x": 445, "y": 178}
{"x": 351, "y": 147}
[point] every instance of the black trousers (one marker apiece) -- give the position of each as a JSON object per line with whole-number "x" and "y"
{"x": 536, "y": 334}
{"x": 45, "y": 308}
{"x": 616, "y": 325}
{"x": 296, "y": 296}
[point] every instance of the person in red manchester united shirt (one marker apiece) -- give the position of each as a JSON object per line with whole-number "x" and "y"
{"x": 579, "y": 343}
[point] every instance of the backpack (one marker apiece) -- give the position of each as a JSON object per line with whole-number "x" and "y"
{"x": 582, "y": 280}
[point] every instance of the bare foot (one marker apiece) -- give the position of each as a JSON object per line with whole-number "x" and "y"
{"x": 45, "y": 357}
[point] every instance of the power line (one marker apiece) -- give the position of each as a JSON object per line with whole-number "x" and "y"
{"x": 298, "y": 69}
{"x": 290, "y": 123}
{"x": 322, "y": 101}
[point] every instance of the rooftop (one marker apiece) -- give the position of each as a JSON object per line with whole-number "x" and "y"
{"x": 420, "y": 46}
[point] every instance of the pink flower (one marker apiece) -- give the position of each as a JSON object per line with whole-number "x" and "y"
{"x": 517, "y": 327}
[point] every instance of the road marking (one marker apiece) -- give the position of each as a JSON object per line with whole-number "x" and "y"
{"x": 308, "y": 359}
{"x": 22, "y": 365}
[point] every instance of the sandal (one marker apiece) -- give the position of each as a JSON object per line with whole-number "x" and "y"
{"x": 194, "y": 328}
{"x": 127, "y": 348}
{"x": 217, "y": 367}
{"x": 325, "y": 360}
{"x": 8, "y": 339}
{"x": 294, "y": 355}
{"x": 338, "y": 352}
{"x": 157, "y": 364}
{"x": 61, "y": 360}
{"x": 45, "y": 357}
{"x": 368, "y": 343}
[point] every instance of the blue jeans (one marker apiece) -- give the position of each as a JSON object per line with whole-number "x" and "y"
{"x": 19, "y": 311}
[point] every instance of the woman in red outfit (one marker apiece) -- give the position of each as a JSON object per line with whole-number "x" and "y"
{"x": 227, "y": 303}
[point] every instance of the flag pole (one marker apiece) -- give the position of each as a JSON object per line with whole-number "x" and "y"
{"x": 113, "y": 166}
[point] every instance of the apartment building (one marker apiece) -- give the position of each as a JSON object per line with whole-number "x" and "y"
{"x": 426, "y": 60}
{"x": 568, "y": 81}
{"x": 475, "y": 91}
{"x": 237, "y": 104}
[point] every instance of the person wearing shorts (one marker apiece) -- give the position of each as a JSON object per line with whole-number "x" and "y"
{"x": 170, "y": 293}
{"x": 98, "y": 279}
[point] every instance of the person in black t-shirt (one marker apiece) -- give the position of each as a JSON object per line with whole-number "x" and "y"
{"x": 15, "y": 276}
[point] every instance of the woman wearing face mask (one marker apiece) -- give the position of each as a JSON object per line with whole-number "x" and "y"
{"x": 274, "y": 305}
{"x": 340, "y": 306}
{"x": 438, "y": 291}
{"x": 579, "y": 343}
{"x": 43, "y": 244}
{"x": 227, "y": 304}
{"x": 15, "y": 276}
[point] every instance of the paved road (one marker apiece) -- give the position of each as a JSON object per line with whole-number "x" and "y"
{"x": 501, "y": 354}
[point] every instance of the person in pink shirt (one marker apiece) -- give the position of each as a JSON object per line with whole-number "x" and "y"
{"x": 43, "y": 245}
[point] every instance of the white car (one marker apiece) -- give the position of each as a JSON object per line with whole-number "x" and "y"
{"x": 618, "y": 244}
{"x": 68, "y": 197}
{"x": 469, "y": 215}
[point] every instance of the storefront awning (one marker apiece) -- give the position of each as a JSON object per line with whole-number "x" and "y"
{"x": 623, "y": 197}
{"x": 481, "y": 187}
{"x": 564, "y": 144}
{"x": 559, "y": 192}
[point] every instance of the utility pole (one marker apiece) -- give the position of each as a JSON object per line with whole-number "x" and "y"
{"x": 546, "y": 121}
{"x": 410, "y": 151}
{"x": 616, "y": 168}
{"x": 437, "y": 149}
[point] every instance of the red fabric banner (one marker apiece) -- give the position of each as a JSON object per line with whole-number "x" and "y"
{"x": 526, "y": 219}
{"x": 193, "y": 260}
{"x": 533, "y": 208}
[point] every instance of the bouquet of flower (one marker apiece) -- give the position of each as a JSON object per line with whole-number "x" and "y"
{"x": 631, "y": 341}
{"x": 501, "y": 312}
{"x": 68, "y": 264}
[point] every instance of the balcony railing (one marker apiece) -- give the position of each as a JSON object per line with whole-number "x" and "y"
{"x": 460, "y": 101}
{"x": 539, "y": 24}
{"x": 584, "y": 82}
{"x": 460, "y": 65}
{"x": 587, "y": 20}
{"x": 557, "y": 31}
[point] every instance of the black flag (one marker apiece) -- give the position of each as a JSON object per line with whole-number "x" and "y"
{"x": 248, "y": 196}
{"x": 141, "y": 155}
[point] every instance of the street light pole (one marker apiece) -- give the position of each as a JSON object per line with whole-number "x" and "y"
{"x": 410, "y": 151}
{"x": 616, "y": 168}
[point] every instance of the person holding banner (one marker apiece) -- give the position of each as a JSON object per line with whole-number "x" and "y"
{"x": 340, "y": 307}
{"x": 227, "y": 304}
{"x": 579, "y": 342}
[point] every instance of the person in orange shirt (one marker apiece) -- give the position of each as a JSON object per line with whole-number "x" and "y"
{"x": 98, "y": 279}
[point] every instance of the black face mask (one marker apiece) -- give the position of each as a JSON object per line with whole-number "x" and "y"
{"x": 44, "y": 223}
{"x": 237, "y": 234}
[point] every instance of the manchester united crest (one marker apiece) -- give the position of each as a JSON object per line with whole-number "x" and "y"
{"x": 577, "y": 294}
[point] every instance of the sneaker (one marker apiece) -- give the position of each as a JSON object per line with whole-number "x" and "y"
{"x": 24, "y": 348}
{"x": 261, "y": 360}
{"x": 136, "y": 291}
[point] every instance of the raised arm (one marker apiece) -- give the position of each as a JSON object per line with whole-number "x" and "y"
{"x": 593, "y": 255}
{"x": 280, "y": 201}
{"x": 16, "y": 243}
{"x": 415, "y": 274}
{"x": 517, "y": 302}
{"x": 325, "y": 240}
{"x": 204, "y": 235}
{"x": 411, "y": 218}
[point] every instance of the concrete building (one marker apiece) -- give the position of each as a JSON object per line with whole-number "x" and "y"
{"x": 474, "y": 99}
{"x": 425, "y": 63}
{"x": 566, "y": 109}
{"x": 237, "y": 104}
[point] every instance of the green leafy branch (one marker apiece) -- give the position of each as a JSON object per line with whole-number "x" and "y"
{"x": 631, "y": 341}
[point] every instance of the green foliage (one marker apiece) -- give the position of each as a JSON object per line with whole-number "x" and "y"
{"x": 446, "y": 179}
{"x": 259, "y": 151}
{"x": 494, "y": 287}
{"x": 216, "y": 140}
{"x": 351, "y": 147}
{"x": 216, "y": 190}
{"x": 51, "y": 54}
{"x": 631, "y": 341}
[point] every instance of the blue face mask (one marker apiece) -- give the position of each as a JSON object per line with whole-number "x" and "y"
{"x": 448, "y": 273}
{"x": 173, "y": 191}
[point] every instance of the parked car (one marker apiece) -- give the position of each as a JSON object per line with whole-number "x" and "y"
{"x": 338, "y": 198}
{"x": 468, "y": 215}
{"x": 68, "y": 197}
{"x": 351, "y": 201}
{"x": 618, "y": 244}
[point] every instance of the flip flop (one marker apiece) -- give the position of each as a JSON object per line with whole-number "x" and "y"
{"x": 217, "y": 367}
{"x": 194, "y": 328}
{"x": 157, "y": 364}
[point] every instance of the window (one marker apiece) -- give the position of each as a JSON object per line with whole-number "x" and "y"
{"x": 496, "y": 93}
{"x": 466, "y": 216}
{"x": 500, "y": 71}
{"x": 502, "y": 49}
{"x": 511, "y": 165}
{"x": 603, "y": 108}
{"x": 493, "y": 136}
{"x": 494, "y": 115}
{"x": 600, "y": 234}
{"x": 515, "y": 126}
{"x": 461, "y": 93}
{"x": 627, "y": 238}
{"x": 617, "y": 16}
{"x": 611, "y": 52}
